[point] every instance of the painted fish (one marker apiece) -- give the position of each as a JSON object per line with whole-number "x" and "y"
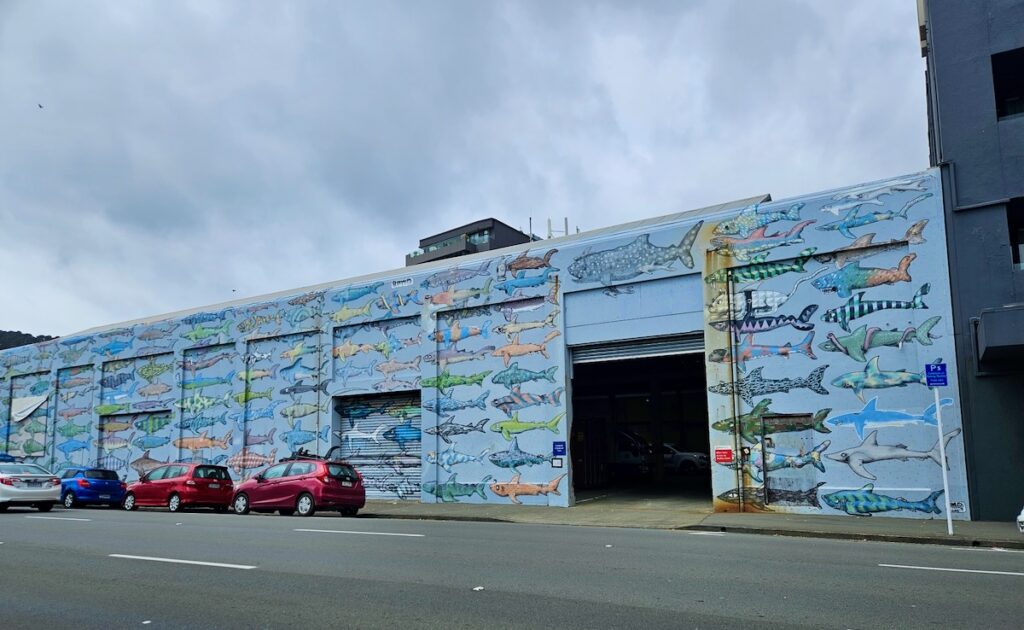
{"x": 870, "y": 193}
{"x": 873, "y": 377}
{"x": 450, "y": 457}
{"x": 252, "y": 439}
{"x": 113, "y": 442}
{"x": 76, "y": 381}
{"x": 758, "y": 242}
{"x": 147, "y": 442}
{"x": 298, "y": 350}
{"x": 445, "y": 381}
{"x": 452, "y": 296}
{"x": 762, "y": 460}
{"x": 753, "y": 324}
{"x": 865, "y": 502}
{"x": 306, "y": 298}
{"x": 302, "y": 388}
{"x": 859, "y": 342}
{"x": 195, "y": 423}
{"x": 154, "y": 389}
{"x": 116, "y": 380}
{"x": 760, "y": 420}
{"x": 31, "y": 447}
{"x": 403, "y": 434}
{"x": 246, "y": 459}
{"x": 115, "y": 426}
{"x": 70, "y": 412}
{"x": 113, "y": 395}
{"x": 197, "y": 403}
{"x": 523, "y": 261}
{"x": 451, "y": 490}
{"x": 870, "y": 451}
{"x": 515, "y": 457}
{"x": 631, "y": 260}
{"x": 514, "y": 488}
{"x": 449, "y": 356}
{"x": 295, "y": 436}
{"x": 523, "y": 281}
{"x": 393, "y": 366}
{"x": 864, "y": 246}
{"x": 201, "y": 318}
{"x": 255, "y": 322}
{"x": 755, "y": 496}
{"x": 872, "y": 416}
{"x": 150, "y": 424}
{"x": 444, "y": 405}
{"x": 350, "y": 294}
{"x": 455, "y": 275}
{"x": 299, "y": 410}
{"x": 852, "y": 277}
{"x": 110, "y": 409}
{"x": 113, "y": 348}
{"x": 513, "y": 376}
{"x": 449, "y": 428}
{"x": 755, "y": 301}
{"x": 457, "y": 332}
{"x": 857, "y": 307}
{"x": 753, "y": 217}
{"x": 110, "y": 462}
{"x": 254, "y": 374}
{"x": 69, "y": 447}
{"x": 70, "y": 429}
{"x": 200, "y": 332}
{"x": 202, "y": 364}
{"x": 755, "y": 385}
{"x": 260, "y": 414}
{"x": 203, "y": 441}
{"x": 517, "y": 349}
{"x": 152, "y": 370}
{"x": 149, "y": 405}
{"x": 514, "y": 327}
{"x": 747, "y": 350}
{"x": 347, "y": 370}
{"x": 517, "y": 400}
{"x": 256, "y": 357}
{"x": 348, "y": 349}
{"x": 345, "y": 313}
{"x": 760, "y": 271}
{"x": 854, "y": 220}
{"x": 154, "y": 333}
{"x": 356, "y": 434}
{"x": 145, "y": 463}
{"x": 514, "y": 426}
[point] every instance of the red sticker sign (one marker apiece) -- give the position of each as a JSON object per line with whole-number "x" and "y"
{"x": 723, "y": 455}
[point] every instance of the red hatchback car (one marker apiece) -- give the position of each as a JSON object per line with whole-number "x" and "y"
{"x": 182, "y": 485}
{"x": 303, "y": 486}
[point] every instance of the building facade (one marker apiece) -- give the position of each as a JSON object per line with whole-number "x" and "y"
{"x": 975, "y": 79}
{"x": 472, "y": 238}
{"x": 788, "y": 339}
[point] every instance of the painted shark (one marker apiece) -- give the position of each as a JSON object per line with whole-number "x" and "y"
{"x": 631, "y": 260}
{"x": 859, "y": 342}
{"x": 870, "y": 451}
{"x": 873, "y": 377}
{"x": 872, "y": 416}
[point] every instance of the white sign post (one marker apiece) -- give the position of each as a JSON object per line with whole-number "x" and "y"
{"x": 935, "y": 375}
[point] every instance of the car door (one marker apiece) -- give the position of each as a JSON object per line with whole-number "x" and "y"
{"x": 267, "y": 487}
{"x": 295, "y": 481}
{"x": 169, "y": 484}
{"x": 146, "y": 490}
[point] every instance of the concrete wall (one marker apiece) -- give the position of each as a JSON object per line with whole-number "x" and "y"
{"x": 982, "y": 160}
{"x": 483, "y": 345}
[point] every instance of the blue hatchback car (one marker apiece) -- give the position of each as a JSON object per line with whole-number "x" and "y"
{"x": 80, "y": 486}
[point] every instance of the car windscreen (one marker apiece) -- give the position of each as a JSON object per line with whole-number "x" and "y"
{"x": 22, "y": 469}
{"x": 101, "y": 474}
{"x": 342, "y": 471}
{"x": 211, "y": 472}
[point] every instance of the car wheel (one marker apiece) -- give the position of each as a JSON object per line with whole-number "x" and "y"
{"x": 69, "y": 500}
{"x": 286, "y": 512}
{"x": 241, "y": 504}
{"x": 129, "y": 502}
{"x": 44, "y": 507}
{"x": 174, "y": 503}
{"x": 349, "y": 511}
{"x": 305, "y": 505}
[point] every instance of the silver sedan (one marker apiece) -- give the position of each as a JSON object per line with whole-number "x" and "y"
{"x": 28, "y": 484}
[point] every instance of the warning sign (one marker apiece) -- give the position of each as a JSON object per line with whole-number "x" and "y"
{"x": 723, "y": 455}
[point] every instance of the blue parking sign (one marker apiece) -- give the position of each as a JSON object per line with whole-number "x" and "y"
{"x": 935, "y": 375}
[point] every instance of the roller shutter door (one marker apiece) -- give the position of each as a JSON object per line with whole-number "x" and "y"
{"x": 380, "y": 436}
{"x": 639, "y": 348}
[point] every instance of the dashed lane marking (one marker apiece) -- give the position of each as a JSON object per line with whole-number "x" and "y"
{"x": 908, "y": 566}
{"x": 179, "y": 561}
{"x": 344, "y": 531}
{"x": 61, "y": 518}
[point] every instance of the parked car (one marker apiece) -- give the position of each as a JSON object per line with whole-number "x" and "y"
{"x": 684, "y": 461}
{"x": 81, "y": 486}
{"x": 302, "y": 485}
{"x": 28, "y": 484}
{"x": 177, "y": 486}
{"x": 633, "y": 455}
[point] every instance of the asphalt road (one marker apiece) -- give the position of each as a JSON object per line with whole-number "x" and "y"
{"x": 62, "y": 573}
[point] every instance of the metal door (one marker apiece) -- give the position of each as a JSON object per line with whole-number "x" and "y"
{"x": 380, "y": 435}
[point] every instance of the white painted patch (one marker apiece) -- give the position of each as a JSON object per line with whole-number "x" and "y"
{"x": 61, "y": 518}
{"x": 707, "y": 533}
{"x": 999, "y": 549}
{"x": 907, "y": 566}
{"x": 343, "y": 531}
{"x": 177, "y": 561}
{"x": 478, "y": 588}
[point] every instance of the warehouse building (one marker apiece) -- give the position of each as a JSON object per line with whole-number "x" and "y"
{"x": 783, "y": 341}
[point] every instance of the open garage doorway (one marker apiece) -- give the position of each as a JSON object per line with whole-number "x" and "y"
{"x": 639, "y": 424}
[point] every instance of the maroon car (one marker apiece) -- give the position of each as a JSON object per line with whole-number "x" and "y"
{"x": 303, "y": 486}
{"x": 177, "y": 486}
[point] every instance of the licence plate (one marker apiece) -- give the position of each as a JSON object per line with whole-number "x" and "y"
{"x": 214, "y": 486}
{"x": 347, "y": 484}
{"x": 104, "y": 496}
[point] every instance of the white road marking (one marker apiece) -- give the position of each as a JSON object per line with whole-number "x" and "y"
{"x": 61, "y": 518}
{"x": 597, "y": 498}
{"x": 999, "y": 549}
{"x": 907, "y": 566}
{"x": 177, "y": 561}
{"x": 707, "y": 533}
{"x": 343, "y": 531}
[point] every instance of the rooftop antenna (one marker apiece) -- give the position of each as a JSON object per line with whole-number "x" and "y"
{"x": 563, "y": 232}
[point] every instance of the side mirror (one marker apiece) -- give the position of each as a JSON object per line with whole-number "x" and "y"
{"x": 260, "y": 479}
{"x": 144, "y": 479}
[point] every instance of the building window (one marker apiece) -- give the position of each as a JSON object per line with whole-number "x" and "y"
{"x": 481, "y": 237}
{"x": 1015, "y": 223}
{"x": 1008, "y": 80}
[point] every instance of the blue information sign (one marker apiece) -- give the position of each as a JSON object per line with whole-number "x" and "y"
{"x": 558, "y": 449}
{"x": 935, "y": 375}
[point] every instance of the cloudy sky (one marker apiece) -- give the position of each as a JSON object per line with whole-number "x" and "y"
{"x": 195, "y": 152}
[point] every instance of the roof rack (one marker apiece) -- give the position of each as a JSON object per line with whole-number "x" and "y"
{"x": 333, "y": 455}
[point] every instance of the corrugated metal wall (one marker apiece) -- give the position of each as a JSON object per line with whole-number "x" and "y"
{"x": 380, "y": 436}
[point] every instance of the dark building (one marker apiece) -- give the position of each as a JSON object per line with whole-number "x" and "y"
{"x": 975, "y": 81}
{"x": 479, "y": 236}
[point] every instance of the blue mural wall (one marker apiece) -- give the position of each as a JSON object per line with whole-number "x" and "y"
{"x": 447, "y": 382}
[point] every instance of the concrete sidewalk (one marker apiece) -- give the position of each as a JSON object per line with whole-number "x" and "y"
{"x": 683, "y": 514}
